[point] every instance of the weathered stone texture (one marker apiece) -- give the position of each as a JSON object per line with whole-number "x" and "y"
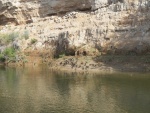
{"x": 115, "y": 26}
{"x": 26, "y": 11}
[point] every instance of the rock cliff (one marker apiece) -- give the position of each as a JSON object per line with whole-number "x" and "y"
{"x": 78, "y": 26}
{"x": 26, "y": 11}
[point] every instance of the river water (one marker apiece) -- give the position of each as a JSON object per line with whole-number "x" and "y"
{"x": 43, "y": 91}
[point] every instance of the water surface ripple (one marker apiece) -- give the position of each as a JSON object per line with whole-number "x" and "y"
{"x": 43, "y": 91}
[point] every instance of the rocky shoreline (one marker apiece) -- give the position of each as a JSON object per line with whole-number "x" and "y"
{"x": 89, "y": 64}
{"x": 104, "y": 64}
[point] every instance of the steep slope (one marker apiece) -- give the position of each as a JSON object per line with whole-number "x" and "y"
{"x": 26, "y": 11}
{"x": 64, "y": 26}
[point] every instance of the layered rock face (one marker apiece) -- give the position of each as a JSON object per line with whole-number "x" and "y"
{"x": 66, "y": 26}
{"x": 26, "y": 11}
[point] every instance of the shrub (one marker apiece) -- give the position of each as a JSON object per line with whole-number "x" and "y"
{"x": 2, "y": 58}
{"x": 26, "y": 35}
{"x": 33, "y": 41}
{"x": 7, "y": 38}
{"x": 62, "y": 55}
{"x": 9, "y": 52}
{"x": 13, "y": 36}
{"x": 3, "y": 38}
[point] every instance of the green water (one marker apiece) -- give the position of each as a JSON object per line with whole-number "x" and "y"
{"x": 42, "y": 91}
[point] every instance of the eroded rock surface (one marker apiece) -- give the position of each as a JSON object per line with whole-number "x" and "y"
{"x": 27, "y": 11}
{"x": 109, "y": 26}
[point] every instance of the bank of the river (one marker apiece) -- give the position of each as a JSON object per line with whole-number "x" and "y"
{"x": 104, "y": 63}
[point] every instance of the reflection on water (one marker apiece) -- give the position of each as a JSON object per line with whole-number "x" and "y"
{"x": 43, "y": 91}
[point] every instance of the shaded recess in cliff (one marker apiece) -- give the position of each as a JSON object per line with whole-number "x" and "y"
{"x": 61, "y": 7}
{"x": 62, "y": 46}
{"x": 26, "y": 11}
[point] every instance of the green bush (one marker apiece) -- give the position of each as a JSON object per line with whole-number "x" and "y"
{"x": 33, "y": 41}
{"x": 7, "y": 38}
{"x": 10, "y": 53}
{"x": 13, "y": 36}
{"x": 26, "y": 35}
{"x": 3, "y": 38}
{"x": 2, "y": 58}
{"x": 62, "y": 55}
